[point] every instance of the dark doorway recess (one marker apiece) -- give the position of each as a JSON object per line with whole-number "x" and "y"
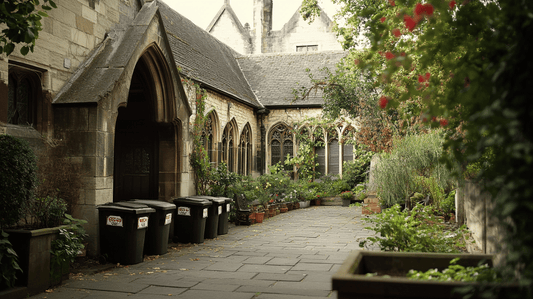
{"x": 136, "y": 174}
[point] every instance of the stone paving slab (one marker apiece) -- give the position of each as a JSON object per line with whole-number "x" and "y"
{"x": 290, "y": 256}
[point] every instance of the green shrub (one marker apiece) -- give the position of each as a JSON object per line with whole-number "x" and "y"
{"x": 221, "y": 180}
{"x": 454, "y": 272}
{"x": 448, "y": 204}
{"x": 8, "y": 263}
{"x": 417, "y": 230}
{"x": 346, "y": 195}
{"x": 18, "y": 178}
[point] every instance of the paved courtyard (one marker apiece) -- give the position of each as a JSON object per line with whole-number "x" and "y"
{"x": 290, "y": 256}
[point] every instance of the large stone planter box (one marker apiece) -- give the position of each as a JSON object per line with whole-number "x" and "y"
{"x": 33, "y": 249}
{"x": 350, "y": 280}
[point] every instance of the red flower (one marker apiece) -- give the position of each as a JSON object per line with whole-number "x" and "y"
{"x": 409, "y": 22}
{"x": 420, "y": 9}
{"x": 452, "y": 4}
{"x": 443, "y": 122}
{"x": 429, "y": 9}
{"x": 389, "y": 55}
{"x": 391, "y": 2}
{"x": 427, "y": 76}
{"x": 383, "y": 102}
{"x": 382, "y": 19}
{"x": 421, "y": 79}
{"x": 433, "y": 118}
{"x": 403, "y": 54}
{"x": 396, "y": 32}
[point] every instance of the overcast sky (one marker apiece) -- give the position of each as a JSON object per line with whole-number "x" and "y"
{"x": 202, "y": 12}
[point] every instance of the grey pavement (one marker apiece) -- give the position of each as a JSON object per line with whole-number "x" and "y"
{"x": 290, "y": 256}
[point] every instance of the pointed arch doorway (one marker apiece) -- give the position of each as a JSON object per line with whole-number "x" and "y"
{"x": 136, "y": 142}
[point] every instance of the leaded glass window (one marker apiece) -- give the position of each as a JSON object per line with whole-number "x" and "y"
{"x": 281, "y": 144}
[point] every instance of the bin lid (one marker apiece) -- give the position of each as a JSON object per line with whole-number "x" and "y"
{"x": 156, "y": 204}
{"x": 218, "y": 200}
{"x": 192, "y": 201}
{"x": 134, "y": 208}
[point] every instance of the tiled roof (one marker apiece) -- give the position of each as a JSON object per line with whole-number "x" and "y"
{"x": 204, "y": 58}
{"x": 273, "y": 77}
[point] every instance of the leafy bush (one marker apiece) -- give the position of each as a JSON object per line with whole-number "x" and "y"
{"x": 417, "y": 230}
{"x": 355, "y": 172}
{"x": 18, "y": 178}
{"x": 456, "y": 272}
{"x": 220, "y": 181}
{"x": 347, "y": 195}
{"x": 8, "y": 263}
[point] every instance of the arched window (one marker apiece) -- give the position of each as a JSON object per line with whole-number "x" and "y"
{"x": 228, "y": 146}
{"x": 208, "y": 135}
{"x": 245, "y": 151}
{"x": 281, "y": 144}
{"x": 333, "y": 156}
{"x": 320, "y": 151}
{"x": 347, "y": 148}
{"x": 22, "y": 96}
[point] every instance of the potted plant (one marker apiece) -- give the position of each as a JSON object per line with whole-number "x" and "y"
{"x": 347, "y": 197}
{"x": 66, "y": 248}
{"x": 31, "y": 223}
{"x": 371, "y": 274}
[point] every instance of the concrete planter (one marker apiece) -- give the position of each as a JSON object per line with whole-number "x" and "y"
{"x": 346, "y": 202}
{"x": 33, "y": 249}
{"x": 304, "y": 204}
{"x": 350, "y": 280}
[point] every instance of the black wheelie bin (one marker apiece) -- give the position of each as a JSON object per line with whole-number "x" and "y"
{"x": 191, "y": 214}
{"x": 211, "y": 225}
{"x": 156, "y": 241}
{"x": 123, "y": 227}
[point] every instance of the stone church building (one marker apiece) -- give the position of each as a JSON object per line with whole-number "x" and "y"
{"x": 113, "y": 82}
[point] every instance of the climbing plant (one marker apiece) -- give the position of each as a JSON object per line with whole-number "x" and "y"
{"x": 199, "y": 158}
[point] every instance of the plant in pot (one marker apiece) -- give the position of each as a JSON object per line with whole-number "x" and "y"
{"x": 31, "y": 222}
{"x": 18, "y": 178}
{"x": 347, "y": 197}
{"x": 66, "y": 248}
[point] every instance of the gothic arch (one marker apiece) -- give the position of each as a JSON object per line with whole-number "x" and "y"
{"x": 245, "y": 150}
{"x": 280, "y": 143}
{"x": 228, "y": 145}
{"x": 210, "y": 135}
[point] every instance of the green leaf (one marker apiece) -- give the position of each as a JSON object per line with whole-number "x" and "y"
{"x": 8, "y": 49}
{"x": 24, "y": 50}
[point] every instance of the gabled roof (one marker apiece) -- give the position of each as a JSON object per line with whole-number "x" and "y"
{"x": 227, "y": 8}
{"x": 204, "y": 58}
{"x": 273, "y": 77}
{"x": 293, "y": 21}
{"x": 97, "y": 75}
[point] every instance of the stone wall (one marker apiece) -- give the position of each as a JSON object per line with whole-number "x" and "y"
{"x": 227, "y": 31}
{"x": 475, "y": 207}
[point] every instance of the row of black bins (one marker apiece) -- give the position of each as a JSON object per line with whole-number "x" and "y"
{"x": 130, "y": 229}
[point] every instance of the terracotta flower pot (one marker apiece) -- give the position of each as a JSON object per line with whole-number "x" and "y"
{"x": 259, "y": 217}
